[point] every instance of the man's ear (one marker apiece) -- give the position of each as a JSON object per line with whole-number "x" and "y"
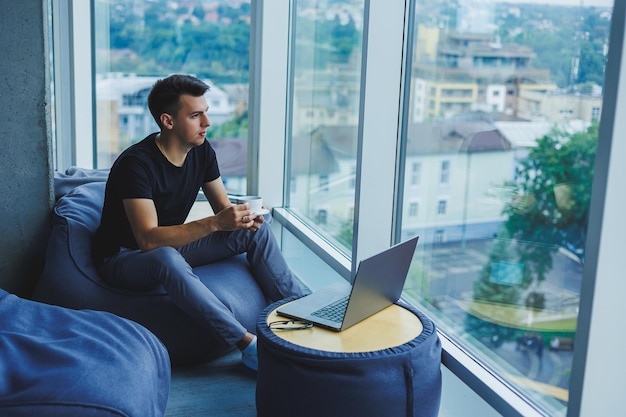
{"x": 167, "y": 120}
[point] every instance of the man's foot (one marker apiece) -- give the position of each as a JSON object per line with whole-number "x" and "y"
{"x": 249, "y": 356}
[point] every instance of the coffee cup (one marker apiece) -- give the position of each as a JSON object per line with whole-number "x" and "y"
{"x": 254, "y": 201}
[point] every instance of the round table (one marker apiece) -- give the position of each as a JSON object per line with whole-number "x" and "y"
{"x": 387, "y": 365}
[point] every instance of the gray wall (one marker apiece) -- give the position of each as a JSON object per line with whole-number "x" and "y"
{"x": 25, "y": 158}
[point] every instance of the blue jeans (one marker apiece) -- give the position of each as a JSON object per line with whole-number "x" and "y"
{"x": 172, "y": 268}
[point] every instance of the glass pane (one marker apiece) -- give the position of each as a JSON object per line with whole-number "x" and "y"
{"x": 137, "y": 43}
{"x": 325, "y": 116}
{"x": 500, "y": 144}
{"x": 312, "y": 271}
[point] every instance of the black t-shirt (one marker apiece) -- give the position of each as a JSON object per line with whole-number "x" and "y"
{"x": 141, "y": 171}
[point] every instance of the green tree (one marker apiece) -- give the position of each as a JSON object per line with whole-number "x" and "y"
{"x": 591, "y": 67}
{"x": 345, "y": 233}
{"x": 550, "y": 207}
{"x": 570, "y": 35}
{"x": 157, "y": 41}
{"x": 493, "y": 284}
{"x": 344, "y": 39}
{"x": 231, "y": 129}
{"x": 596, "y": 28}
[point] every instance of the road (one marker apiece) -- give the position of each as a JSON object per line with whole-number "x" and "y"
{"x": 452, "y": 270}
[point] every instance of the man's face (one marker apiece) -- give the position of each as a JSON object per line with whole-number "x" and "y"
{"x": 191, "y": 122}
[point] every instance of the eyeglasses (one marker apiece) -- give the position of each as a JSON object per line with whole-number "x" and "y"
{"x": 283, "y": 325}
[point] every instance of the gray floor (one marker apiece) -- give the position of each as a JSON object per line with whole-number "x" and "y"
{"x": 223, "y": 387}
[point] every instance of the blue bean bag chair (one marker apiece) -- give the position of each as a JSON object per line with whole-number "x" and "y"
{"x": 400, "y": 381}
{"x": 70, "y": 279}
{"x": 56, "y": 361}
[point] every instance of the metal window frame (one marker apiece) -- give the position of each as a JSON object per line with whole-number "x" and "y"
{"x": 72, "y": 23}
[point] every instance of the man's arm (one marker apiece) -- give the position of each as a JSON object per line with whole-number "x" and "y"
{"x": 216, "y": 194}
{"x": 144, "y": 222}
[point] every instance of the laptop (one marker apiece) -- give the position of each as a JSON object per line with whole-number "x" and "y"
{"x": 378, "y": 283}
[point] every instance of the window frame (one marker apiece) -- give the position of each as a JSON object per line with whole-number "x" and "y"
{"x": 73, "y": 69}
{"x": 496, "y": 392}
{"x": 597, "y": 371}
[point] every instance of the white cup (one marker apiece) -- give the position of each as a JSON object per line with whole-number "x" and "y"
{"x": 255, "y": 202}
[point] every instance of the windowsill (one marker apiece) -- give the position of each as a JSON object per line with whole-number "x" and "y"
{"x": 496, "y": 392}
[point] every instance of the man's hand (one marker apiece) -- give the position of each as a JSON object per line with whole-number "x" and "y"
{"x": 228, "y": 216}
{"x": 239, "y": 217}
{"x": 258, "y": 221}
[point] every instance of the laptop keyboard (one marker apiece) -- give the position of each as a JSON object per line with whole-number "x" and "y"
{"x": 334, "y": 311}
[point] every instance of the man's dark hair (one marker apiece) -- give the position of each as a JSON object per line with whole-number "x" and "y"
{"x": 165, "y": 94}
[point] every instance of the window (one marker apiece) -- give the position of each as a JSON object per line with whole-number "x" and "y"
{"x": 327, "y": 48}
{"x": 137, "y": 43}
{"x": 323, "y": 187}
{"x": 519, "y": 254}
{"x": 322, "y": 216}
{"x": 416, "y": 172}
{"x": 442, "y": 206}
{"x": 413, "y": 210}
{"x": 445, "y": 172}
{"x": 595, "y": 114}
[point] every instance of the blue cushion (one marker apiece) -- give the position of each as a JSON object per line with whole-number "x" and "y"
{"x": 70, "y": 279}
{"x": 61, "y": 362}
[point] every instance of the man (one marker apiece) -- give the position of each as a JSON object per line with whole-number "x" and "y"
{"x": 143, "y": 242}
